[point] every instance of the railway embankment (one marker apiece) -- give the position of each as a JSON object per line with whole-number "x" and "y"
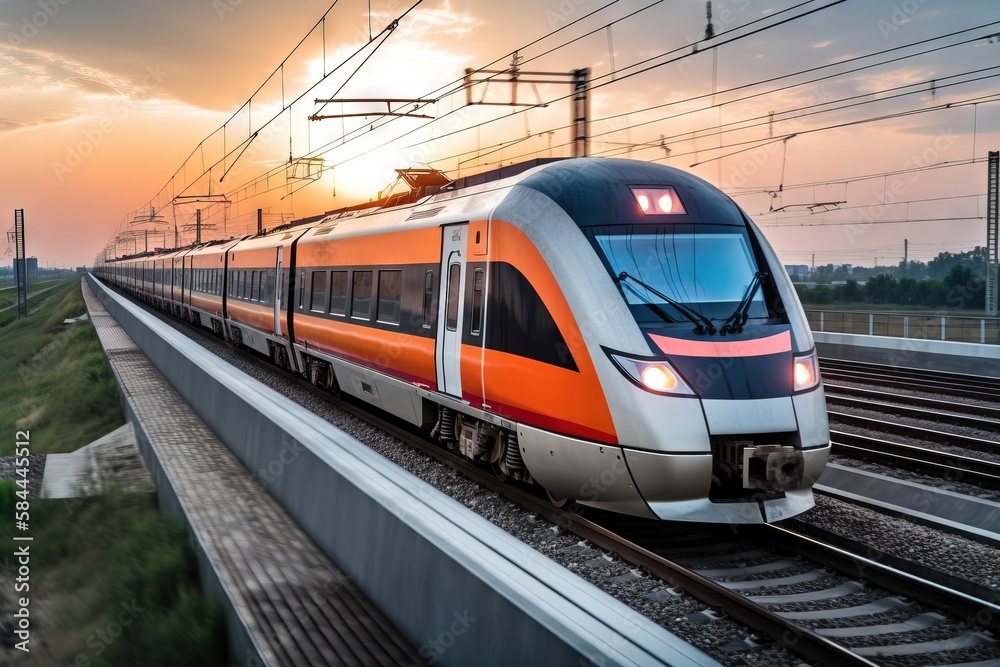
{"x": 102, "y": 579}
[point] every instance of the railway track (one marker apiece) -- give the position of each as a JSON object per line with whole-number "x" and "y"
{"x": 956, "y": 385}
{"x": 921, "y": 459}
{"x": 985, "y": 418}
{"x": 670, "y": 552}
{"x": 922, "y": 448}
{"x": 664, "y": 550}
{"x": 917, "y": 433}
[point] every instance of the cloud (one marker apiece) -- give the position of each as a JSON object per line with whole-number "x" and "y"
{"x": 214, "y": 50}
{"x": 42, "y": 88}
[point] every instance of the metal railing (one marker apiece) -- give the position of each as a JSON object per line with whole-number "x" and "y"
{"x": 956, "y": 328}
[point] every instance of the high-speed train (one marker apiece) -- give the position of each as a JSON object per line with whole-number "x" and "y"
{"x": 615, "y": 331}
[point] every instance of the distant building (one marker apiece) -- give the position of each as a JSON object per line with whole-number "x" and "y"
{"x": 81, "y": 269}
{"x": 31, "y": 268}
{"x": 797, "y": 271}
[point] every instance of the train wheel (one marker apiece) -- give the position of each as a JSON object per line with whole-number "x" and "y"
{"x": 498, "y": 471}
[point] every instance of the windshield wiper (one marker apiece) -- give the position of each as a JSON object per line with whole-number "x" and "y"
{"x": 704, "y": 325}
{"x": 736, "y": 321}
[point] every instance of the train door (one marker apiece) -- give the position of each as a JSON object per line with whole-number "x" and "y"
{"x": 277, "y": 290}
{"x": 451, "y": 304}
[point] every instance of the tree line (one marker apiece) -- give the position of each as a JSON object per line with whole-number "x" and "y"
{"x": 951, "y": 280}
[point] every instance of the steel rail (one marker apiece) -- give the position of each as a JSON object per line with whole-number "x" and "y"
{"x": 966, "y": 379}
{"x": 926, "y": 386}
{"x": 940, "y": 596}
{"x": 971, "y": 470}
{"x": 915, "y": 412}
{"x": 933, "y": 403}
{"x": 917, "y": 432}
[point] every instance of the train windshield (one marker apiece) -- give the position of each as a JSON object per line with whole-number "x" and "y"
{"x": 707, "y": 270}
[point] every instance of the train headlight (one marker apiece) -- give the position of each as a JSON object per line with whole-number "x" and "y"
{"x": 654, "y": 375}
{"x": 659, "y": 378}
{"x": 661, "y": 200}
{"x": 805, "y": 372}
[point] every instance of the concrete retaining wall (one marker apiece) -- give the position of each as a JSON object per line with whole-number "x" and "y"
{"x": 934, "y": 355}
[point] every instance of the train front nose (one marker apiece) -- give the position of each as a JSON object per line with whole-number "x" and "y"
{"x": 725, "y": 451}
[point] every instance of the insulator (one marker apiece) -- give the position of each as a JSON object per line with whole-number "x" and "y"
{"x": 513, "y": 458}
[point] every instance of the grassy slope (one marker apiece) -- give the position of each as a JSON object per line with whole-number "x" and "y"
{"x": 112, "y": 581}
{"x": 90, "y": 557}
{"x": 55, "y": 378}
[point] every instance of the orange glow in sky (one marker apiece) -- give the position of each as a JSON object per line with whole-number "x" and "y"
{"x": 111, "y": 111}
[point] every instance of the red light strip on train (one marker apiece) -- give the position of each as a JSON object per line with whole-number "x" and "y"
{"x": 774, "y": 344}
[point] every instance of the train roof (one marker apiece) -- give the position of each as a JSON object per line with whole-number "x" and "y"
{"x": 601, "y": 191}
{"x": 592, "y": 191}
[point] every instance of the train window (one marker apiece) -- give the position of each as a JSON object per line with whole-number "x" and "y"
{"x": 519, "y": 322}
{"x": 317, "y": 300}
{"x": 389, "y": 291}
{"x": 247, "y": 279}
{"x": 361, "y": 295}
{"x": 232, "y": 282}
{"x": 266, "y": 286}
{"x": 477, "y": 302}
{"x": 454, "y": 278}
{"x": 428, "y": 299}
{"x": 255, "y": 285}
{"x": 302, "y": 287}
{"x": 338, "y": 292}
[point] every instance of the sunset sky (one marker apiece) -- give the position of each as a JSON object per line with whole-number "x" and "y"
{"x": 111, "y": 108}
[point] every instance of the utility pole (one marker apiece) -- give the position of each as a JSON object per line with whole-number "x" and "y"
{"x": 20, "y": 264}
{"x": 260, "y": 220}
{"x": 197, "y": 227}
{"x": 581, "y": 112}
{"x": 514, "y": 75}
{"x": 906, "y": 253}
{"x": 992, "y": 184}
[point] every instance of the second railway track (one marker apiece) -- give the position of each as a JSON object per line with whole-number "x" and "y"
{"x": 976, "y": 387}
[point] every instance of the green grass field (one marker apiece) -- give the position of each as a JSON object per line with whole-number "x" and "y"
{"x": 113, "y": 582}
{"x": 56, "y": 381}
